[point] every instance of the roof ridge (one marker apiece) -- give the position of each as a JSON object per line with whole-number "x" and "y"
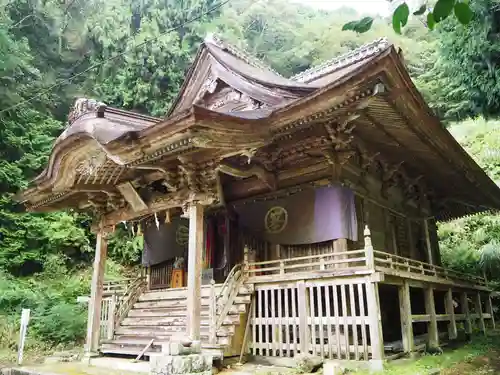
{"x": 346, "y": 59}
{"x": 239, "y": 53}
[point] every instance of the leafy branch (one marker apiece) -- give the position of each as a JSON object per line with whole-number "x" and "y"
{"x": 441, "y": 10}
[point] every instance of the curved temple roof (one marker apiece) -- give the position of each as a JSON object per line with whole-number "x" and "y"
{"x": 231, "y": 104}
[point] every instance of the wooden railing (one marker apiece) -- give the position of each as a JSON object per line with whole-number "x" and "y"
{"x": 396, "y": 263}
{"x": 118, "y": 298}
{"x": 350, "y": 262}
{"x": 117, "y": 287}
{"x": 227, "y": 295}
{"x": 347, "y": 260}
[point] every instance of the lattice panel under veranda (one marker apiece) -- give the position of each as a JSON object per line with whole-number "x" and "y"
{"x": 327, "y": 319}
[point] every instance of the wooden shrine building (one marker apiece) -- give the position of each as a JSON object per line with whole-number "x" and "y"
{"x": 311, "y": 201}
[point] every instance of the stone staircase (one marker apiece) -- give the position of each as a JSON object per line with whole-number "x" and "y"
{"x": 161, "y": 315}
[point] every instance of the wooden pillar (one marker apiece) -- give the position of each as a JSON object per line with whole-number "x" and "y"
{"x": 464, "y": 302}
{"x": 303, "y": 316}
{"x": 428, "y": 242}
{"x": 94, "y": 313}
{"x": 430, "y": 309}
{"x": 452, "y": 325}
{"x": 489, "y": 310}
{"x": 195, "y": 260}
{"x": 374, "y": 316}
{"x": 406, "y": 317}
{"x": 479, "y": 312}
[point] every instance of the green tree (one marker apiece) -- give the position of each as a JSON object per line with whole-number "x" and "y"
{"x": 141, "y": 60}
{"x": 465, "y": 78}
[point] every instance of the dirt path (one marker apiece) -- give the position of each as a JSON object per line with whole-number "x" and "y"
{"x": 481, "y": 365}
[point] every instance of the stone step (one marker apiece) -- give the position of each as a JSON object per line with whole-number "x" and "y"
{"x": 175, "y": 293}
{"x": 153, "y": 331}
{"x": 180, "y": 293}
{"x": 236, "y": 309}
{"x": 145, "y": 339}
{"x": 173, "y": 321}
{"x": 244, "y": 299}
{"x": 168, "y": 304}
{"x": 134, "y": 348}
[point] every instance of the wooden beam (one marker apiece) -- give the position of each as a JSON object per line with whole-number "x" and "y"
{"x": 96, "y": 289}
{"x": 464, "y": 302}
{"x": 479, "y": 311}
{"x": 132, "y": 197}
{"x": 450, "y": 310}
{"x": 430, "y": 309}
{"x": 163, "y": 203}
{"x": 406, "y": 317}
{"x": 195, "y": 259}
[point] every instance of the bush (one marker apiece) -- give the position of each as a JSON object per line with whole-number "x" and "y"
{"x": 61, "y": 323}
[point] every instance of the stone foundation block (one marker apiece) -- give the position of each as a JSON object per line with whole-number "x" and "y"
{"x": 198, "y": 364}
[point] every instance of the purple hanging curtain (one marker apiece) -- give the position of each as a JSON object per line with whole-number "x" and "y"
{"x": 313, "y": 215}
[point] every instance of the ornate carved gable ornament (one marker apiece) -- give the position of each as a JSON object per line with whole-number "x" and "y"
{"x": 83, "y": 106}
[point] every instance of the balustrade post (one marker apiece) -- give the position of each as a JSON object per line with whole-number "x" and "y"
{"x": 322, "y": 264}
{"x": 370, "y": 256}
{"x": 111, "y": 318}
{"x": 212, "y": 314}
{"x": 282, "y": 268}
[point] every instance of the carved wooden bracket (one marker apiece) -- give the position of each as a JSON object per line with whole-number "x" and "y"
{"x": 341, "y": 135}
{"x": 337, "y": 159}
{"x": 389, "y": 176}
{"x": 255, "y": 170}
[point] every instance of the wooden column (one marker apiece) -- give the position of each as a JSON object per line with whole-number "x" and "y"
{"x": 452, "y": 325}
{"x": 479, "y": 312}
{"x": 428, "y": 242}
{"x": 430, "y": 309}
{"x": 374, "y": 316}
{"x": 195, "y": 260}
{"x": 464, "y": 302}
{"x": 94, "y": 314}
{"x": 406, "y": 318}
{"x": 489, "y": 310}
{"x": 303, "y": 315}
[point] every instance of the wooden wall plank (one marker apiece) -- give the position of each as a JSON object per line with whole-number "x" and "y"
{"x": 352, "y": 300}
{"x": 329, "y": 331}
{"x": 295, "y": 337}
{"x": 312, "y": 307}
{"x": 344, "y": 314}
{"x": 337, "y": 322}
{"x": 363, "y": 313}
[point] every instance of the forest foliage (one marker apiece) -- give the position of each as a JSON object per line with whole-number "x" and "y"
{"x": 129, "y": 54}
